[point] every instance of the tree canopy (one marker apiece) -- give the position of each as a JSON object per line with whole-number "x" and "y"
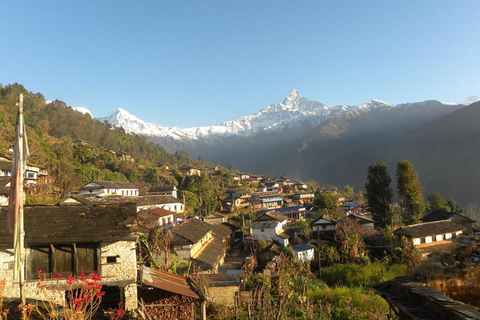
{"x": 379, "y": 194}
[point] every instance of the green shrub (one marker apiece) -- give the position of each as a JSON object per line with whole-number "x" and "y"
{"x": 354, "y": 275}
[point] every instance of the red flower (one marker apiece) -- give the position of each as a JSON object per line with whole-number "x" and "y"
{"x": 58, "y": 276}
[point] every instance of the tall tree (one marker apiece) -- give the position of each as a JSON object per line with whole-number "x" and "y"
{"x": 379, "y": 194}
{"x": 409, "y": 193}
{"x": 436, "y": 202}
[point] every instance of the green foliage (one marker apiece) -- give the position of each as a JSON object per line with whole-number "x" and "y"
{"x": 379, "y": 194}
{"x": 356, "y": 275}
{"x": 436, "y": 202}
{"x": 151, "y": 175}
{"x": 327, "y": 202}
{"x": 409, "y": 193}
{"x": 206, "y": 193}
{"x": 41, "y": 199}
{"x": 89, "y": 173}
{"x": 191, "y": 200}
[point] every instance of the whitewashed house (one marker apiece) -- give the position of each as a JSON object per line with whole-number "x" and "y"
{"x": 142, "y": 202}
{"x": 304, "y": 252}
{"x": 270, "y": 226}
{"x": 109, "y": 188}
{"x": 168, "y": 190}
{"x": 431, "y": 233}
{"x": 323, "y": 224}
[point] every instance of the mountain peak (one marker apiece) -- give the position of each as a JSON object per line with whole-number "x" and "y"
{"x": 293, "y": 95}
{"x": 470, "y": 100}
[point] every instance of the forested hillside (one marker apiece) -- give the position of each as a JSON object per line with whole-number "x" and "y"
{"x": 52, "y": 129}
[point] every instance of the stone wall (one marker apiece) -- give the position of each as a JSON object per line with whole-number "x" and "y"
{"x": 118, "y": 263}
{"x": 122, "y": 272}
{"x": 223, "y": 295}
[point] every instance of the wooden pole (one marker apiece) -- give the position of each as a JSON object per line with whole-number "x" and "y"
{"x": 20, "y": 220}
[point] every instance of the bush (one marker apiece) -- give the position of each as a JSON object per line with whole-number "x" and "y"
{"x": 354, "y": 275}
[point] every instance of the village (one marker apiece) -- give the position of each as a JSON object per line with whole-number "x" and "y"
{"x": 162, "y": 260}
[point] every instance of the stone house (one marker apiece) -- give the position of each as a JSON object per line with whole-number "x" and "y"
{"x": 190, "y": 171}
{"x": 203, "y": 243}
{"x": 304, "y": 197}
{"x": 157, "y": 217}
{"x": 143, "y": 202}
{"x": 215, "y": 218}
{"x": 323, "y": 224}
{"x": 270, "y": 226}
{"x": 366, "y": 223}
{"x": 163, "y": 191}
{"x": 266, "y": 200}
{"x": 431, "y": 233}
{"x": 109, "y": 188}
{"x": 440, "y": 215}
{"x": 69, "y": 240}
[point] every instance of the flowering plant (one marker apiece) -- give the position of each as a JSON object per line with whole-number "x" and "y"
{"x": 83, "y": 298}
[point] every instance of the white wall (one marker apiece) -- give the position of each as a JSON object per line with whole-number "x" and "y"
{"x": 307, "y": 255}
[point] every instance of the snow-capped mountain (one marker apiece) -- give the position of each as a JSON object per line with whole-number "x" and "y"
{"x": 470, "y": 100}
{"x": 83, "y": 110}
{"x": 294, "y": 111}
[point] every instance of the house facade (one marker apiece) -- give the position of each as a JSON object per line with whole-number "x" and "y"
{"x": 34, "y": 175}
{"x": 163, "y": 191}
{"x": 102, "y": 241}
{"x": 431, "y": 233}
{"x": 201, "y": 242}
{"x": 142, "y": 202}
{"x": 270, "y": 226}
{"x": 109, "y": 188}
{"x": 303, "y": 252}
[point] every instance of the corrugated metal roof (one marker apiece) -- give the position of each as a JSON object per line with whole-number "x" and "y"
{"x": 168, "y": 282}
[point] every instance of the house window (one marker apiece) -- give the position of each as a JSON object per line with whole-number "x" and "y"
{"x": 422, "y": 240}
{"x": 62, "y": 258}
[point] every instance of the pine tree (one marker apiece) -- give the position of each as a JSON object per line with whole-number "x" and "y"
{"x": 379, "y": 194}
{"x": 409, "y": 193}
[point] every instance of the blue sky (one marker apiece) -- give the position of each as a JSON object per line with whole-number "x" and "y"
{"x": 192, "y": 63}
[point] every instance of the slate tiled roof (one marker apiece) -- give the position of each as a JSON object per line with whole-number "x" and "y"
{"x": 323, "y": 217}
{"x": 438, "y": 215}
{"x": 191, "y": 231}
{"x": 428, "y": 229}
{"x": 139, "y": 200}
{"x": 357, "y": 218}
{"x": 301, "y": 247}
{"x": 162, "y": 189}
{"x": 269, "y": 216}
{"x": 112, "y": 185}
{"x": 264, "y": 224}
{"x": 69, "y": 224}
{"x": 212, "y": 253}
{"x": 418, "y": 301}
{"x": 221, "y": 231}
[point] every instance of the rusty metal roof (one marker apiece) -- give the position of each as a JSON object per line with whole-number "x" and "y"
{"x": 167, "y": 281}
